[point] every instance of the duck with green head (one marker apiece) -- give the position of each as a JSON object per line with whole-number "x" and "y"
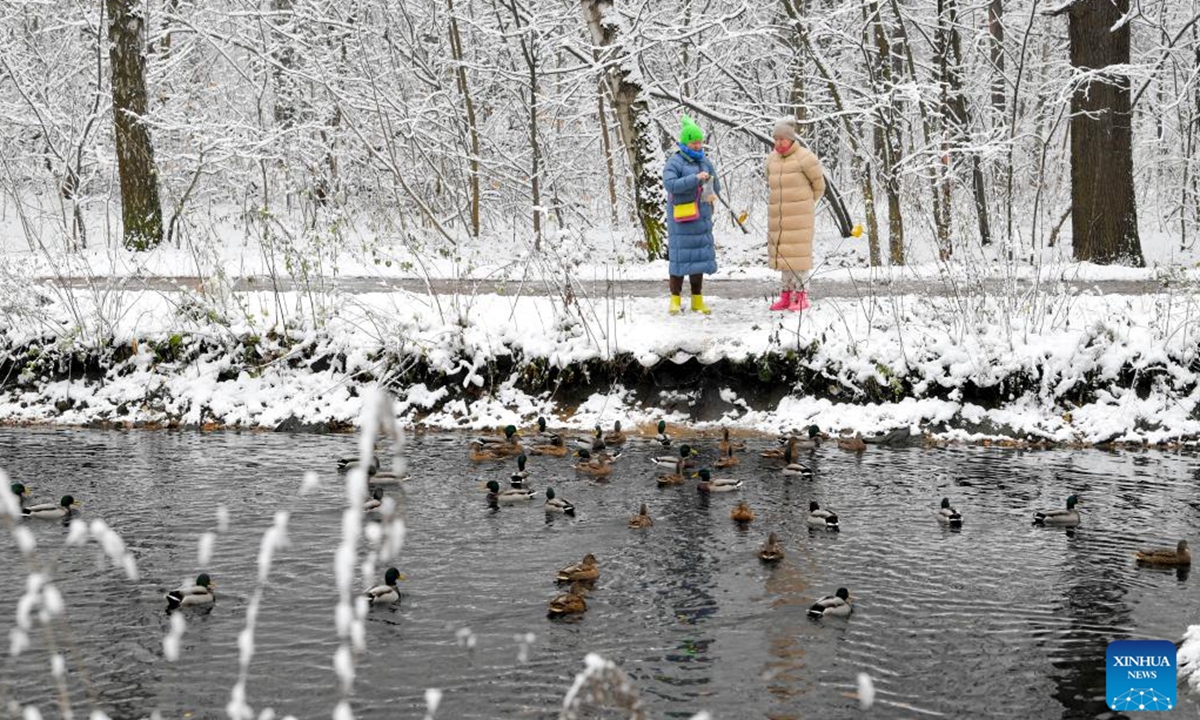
{"x": 51, "y": 511}
{"x": 949, "y": 516}
{"x": 820, "y": 518}
{"x": 592, "y": 443}
{"x": 387, "y": 593}
{"x": 791, "y": 468}
{"x": 518, "y": 478}
{"x": 669, "y": 461}
{"x": 201, "y": 593}
{"x": 616, "y": 437}
{"x": 508, "y": 496}
{"x": 21, "y": 492}
{"x": 597, "y": 466}
{"x": 1060, "y": 517}
{"x": 835, "y": 605}
{"x": 710, "y": 484}
{"x": 556, "y": 504}
{"x": 662, "y": 437}
{"x": 490, "y": 448}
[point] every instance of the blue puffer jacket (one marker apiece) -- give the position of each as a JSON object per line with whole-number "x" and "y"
{"x": 691, "y": 243}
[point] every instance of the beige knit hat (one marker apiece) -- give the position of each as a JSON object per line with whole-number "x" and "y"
{"x": 785, "y": 127}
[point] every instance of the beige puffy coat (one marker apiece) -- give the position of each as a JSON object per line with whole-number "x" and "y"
{"x": 797, "y": 182}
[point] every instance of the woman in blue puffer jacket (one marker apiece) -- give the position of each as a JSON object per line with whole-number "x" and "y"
{"x": 689, "y": 177}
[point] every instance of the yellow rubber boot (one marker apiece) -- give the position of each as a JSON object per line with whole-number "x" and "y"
{"x": 676, "y": 305}
{"x": 699, "y": 306}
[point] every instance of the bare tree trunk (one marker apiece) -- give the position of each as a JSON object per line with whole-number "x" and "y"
{"x": 996, "y": 53}
{"x": 608, "y": 156}
{"x": 635, "y": 126}
{"x": 456, "y": 52}
{"x": 887, "y": 137}
{"x": 285, "y": 59}
{"x": 141, "y": 210}
{"x": 1103, "y": 204}
{"x": 529, "y": 53}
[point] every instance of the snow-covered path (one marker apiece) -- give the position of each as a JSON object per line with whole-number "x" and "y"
{"x": 741, "y": 288}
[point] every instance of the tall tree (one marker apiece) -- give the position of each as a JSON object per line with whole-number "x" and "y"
{"x": 1103, "y": 205}
{"x": 634, "y": 123}
{"x": 141, "y": 211}
{"x": 464, "y": 89}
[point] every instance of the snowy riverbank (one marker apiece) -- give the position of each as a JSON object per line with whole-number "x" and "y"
{"x": 1052, "y": 365}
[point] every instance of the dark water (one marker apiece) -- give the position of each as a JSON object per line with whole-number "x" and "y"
{"x": 998, "y": 620}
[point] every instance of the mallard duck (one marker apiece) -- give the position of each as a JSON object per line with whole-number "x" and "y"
{"x": 948, "y": 515}
{"x": 675, "y": 478}
{"x": 669, "y": 461}
{"x": 490, "y": 448}
{"x": 709, "y": 484}
{"x": 741, "y": 513}
{"x": 542, "y": 435}
{"x": 388, "y": 478}
{"x": 585, "y": 570}
{"x": 642, "y": 519}
{"x": 616, "y": 437}
{"x": 598, "y": 466}
{"x": 347, "y": 464}
{"x": 593, "y": 443}
{"x": 781, "y": 453}
{"x": 811, "y": 440}
{"x": 557, "y": 504}
{"x": 568, "y": 603}
{"x": 791, "y": 468}
{"x": 387, "y": 593}
{"x": 771, "y": 550}
{"x": 727, "y": 460}
{"x": 728, "y": 446}
{"x": 520, "y": 475}
{"x": 21, "y": 492}
{"x": 821, "y": 518}
{"x": 51, "y": 511}
{"x": 375, "y": 501}
{"x": 191, "y": 595}
{"x": 852, "y": 443}
{"x": 555, "y": 447}
{"x": 1181, "y": 555}
{"x": 662, "y": 437}
{"x": 1060, "y": 517}
{"x": 837, "y": 605}
{"x": 508, "y": 496}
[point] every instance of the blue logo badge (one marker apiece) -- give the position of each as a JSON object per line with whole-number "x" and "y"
{"x": 1141, "y": 675}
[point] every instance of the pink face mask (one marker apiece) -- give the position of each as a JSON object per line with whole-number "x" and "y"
{"x": 782, "y": 145}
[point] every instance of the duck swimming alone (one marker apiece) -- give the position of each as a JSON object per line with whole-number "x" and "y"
{"x": 836, "y": 605}
{"x": 948, "y": 515}
{"x": 1180, "y": 556}
{"x": 741, "y": 513}
{"x": 192, "y": 595}
{"x": 771, "y": 550}
{"x": 50, "y": 511}
{"x": 387, "y": 593}
{"x": 819, "y": 518}
{"x": 642, "y": 519}
{"x": 557, "y": 504}
{"x": 586, "y": 569}
{"x": 1060, "y": 517}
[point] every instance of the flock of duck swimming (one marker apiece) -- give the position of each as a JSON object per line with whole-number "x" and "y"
{"x": 595, "y": 456}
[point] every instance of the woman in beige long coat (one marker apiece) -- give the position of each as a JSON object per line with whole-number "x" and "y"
{"x": 796, "y": 182}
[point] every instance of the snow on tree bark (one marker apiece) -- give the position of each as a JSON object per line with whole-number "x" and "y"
{"x": 141, "y": 210}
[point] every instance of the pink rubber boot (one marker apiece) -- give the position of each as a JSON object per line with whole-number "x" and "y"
{"x": 799, "y": 301}
{"x": 784, "y": 301}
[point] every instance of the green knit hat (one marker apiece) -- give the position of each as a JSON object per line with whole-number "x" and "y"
{"x": 690, "y": 131}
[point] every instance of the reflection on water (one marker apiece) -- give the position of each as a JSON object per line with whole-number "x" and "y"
{"x": 1000, "y": 619}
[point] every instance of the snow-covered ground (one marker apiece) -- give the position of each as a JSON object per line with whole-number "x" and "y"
{"x": 966, "y": 366}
